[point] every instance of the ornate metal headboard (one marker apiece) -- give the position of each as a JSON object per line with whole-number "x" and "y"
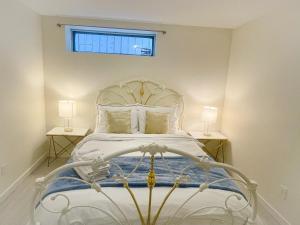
{"x": 141, "y": 92}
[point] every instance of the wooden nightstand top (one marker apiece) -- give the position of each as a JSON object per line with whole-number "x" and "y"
{"x": 215, "y": 135}
{"x": 59, "y": 131}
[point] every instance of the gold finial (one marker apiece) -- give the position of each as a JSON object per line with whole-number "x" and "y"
{"x": 151, "y": 175}
{"x": 151, "y": 179}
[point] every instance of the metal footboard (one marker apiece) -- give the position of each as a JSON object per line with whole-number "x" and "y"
{"x": 151, "y": 216}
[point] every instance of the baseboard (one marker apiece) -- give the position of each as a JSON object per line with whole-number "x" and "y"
{"x": 21, "y": 178}
{"x": 273, "y": 214}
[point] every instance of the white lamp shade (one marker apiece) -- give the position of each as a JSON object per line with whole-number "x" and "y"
{"x": 66, "y": 108}
{"x": 210, "y": 114}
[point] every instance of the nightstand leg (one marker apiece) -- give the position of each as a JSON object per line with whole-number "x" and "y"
{"x": 54, "y": 148}
{"x": 73, "y": 142}
{"x": 222, "y": 149}
{"x": 49, "y": 150}
{"x": 51, "y": 145}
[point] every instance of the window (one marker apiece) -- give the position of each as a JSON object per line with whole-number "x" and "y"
{"x": 110, "y": 41}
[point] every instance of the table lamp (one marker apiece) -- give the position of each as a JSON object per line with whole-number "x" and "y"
{"x": 209, "y": 116}
{"x": 67, "y": 110}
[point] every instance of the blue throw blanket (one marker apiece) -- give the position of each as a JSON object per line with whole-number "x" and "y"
{"x": 164, "y": 178}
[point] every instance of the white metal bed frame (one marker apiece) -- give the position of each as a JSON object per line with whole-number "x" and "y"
{"x": 149, "y": 93}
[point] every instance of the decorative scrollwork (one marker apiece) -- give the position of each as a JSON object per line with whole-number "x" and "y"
{"x": 141, "y": 92}
{"x": 179, "y": 215}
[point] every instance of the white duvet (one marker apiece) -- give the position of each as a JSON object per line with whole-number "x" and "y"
{"x": 99, "y": 145}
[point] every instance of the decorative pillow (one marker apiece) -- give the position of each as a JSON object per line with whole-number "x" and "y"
{"x": 157, "y": 123}
{"x": 172, "y": 111}
{"x": 119, "y": 122}
{"x": 101, "y": 122}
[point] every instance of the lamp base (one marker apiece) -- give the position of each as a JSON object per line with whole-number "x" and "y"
{"x": 207, "y": 134}
{"x": 68, "y": 129}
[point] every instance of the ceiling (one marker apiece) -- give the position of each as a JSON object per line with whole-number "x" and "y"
{"x": 209, "y": 13}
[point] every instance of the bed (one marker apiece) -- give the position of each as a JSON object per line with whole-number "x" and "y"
{"x": 143, "y": 179}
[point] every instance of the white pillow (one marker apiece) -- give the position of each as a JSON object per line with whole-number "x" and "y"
{"x": 173, "y": 117}
{"x": 101, "y": 121}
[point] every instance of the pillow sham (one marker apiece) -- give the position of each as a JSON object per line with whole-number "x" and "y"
{"x": 119, "y": 122}
{"x": 157, "y": 123}
{"x": 173, "y": 118}
{"x": 101, "y": 121}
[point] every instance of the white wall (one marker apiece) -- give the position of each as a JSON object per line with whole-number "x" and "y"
{"x": 262, "y": 96}
{"x": 22, "y": 114}
{"x": 262, "y": 107}
{"x": 191, "y": 60}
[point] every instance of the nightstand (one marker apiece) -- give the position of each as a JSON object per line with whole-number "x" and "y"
{"x": 70, "y": 139}
{"x": 214, "y": 143}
